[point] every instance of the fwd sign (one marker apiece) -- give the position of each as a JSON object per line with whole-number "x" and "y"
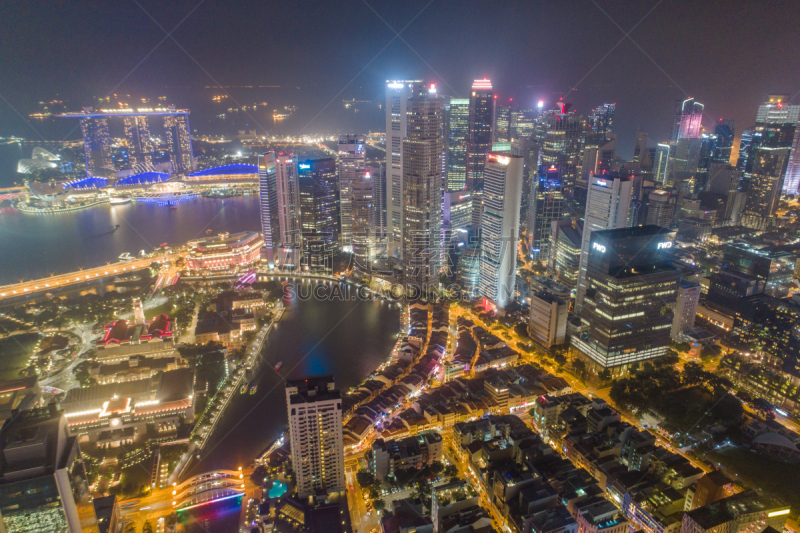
{"x": 599, "y": 247}
{"x": 664, "y": 245}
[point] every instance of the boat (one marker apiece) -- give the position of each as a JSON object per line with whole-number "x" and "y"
{"x": 253, "y": 389}
{"x": 125, "y": 257}
{"x": 278, "y": 366}
{"x": 243, "y": 389}
{"x": 117, "y": 200}
{"x": 110, "y": 231}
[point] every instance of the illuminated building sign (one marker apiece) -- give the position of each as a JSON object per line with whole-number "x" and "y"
{"x": 304, "y": 166}
{"x": 778, "y": 513}
{"x": 664, "y": 245}
{"x": 599, "y": 247}
{"x": 602, "y": 183}
{"x": 503, "y": 160}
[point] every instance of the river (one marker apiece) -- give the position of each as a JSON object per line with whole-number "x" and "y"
{"x": 346, "y": 337}
{"x": 34, "y": 246}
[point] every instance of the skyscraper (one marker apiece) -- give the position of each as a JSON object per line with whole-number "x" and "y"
{"x": 481, "y": 130}
{"x": 97, "y": 147}
{"x": 687, "y": 120}
{"x": 500, "y": 227}
{"x": 268, "y": 199}
{"x": 502, "y": 121}
{"x": 608, "y": 201}
{"x": 547, "y": 203}
{"x": 363, "y": 218}
{"x": 140, "y": 146}
{"x": 559, "y": 134}
{"x": 778, "y": 110}
{"x": 179, "y": 142}
{"x": 422, "y": 189}
{"x": 661, "y": 163}
{"x": 319, "y": 214}
{"x": 352, "y": 165}
{"x": 564, "y": 261}
{"x": 724, "y": 131}
{"x": 602, "y": 119}
{"x": 288, "y": 189}
{"x": 314, "y": 407}
{"x": 765, "y": 172}
{"x": 397, "y": 94}
{"x": 377, "y": 171}
{"x": 457, "y": 135}
{"x": 43, "y": 482}
{"x": 630, "y": 293}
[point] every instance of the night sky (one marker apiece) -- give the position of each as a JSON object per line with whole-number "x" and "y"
{"x": 729, "y": 55}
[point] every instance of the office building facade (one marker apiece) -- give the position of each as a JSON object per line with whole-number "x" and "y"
{"x": 352, "y": 166}
{"x": 43, "y": 484}
{"x": 608, "y": 202}
{"x": 685, "y": 309}
{"x": 500, "y": 227}
{"x": 547, "y": 204}
{"x": 481, "y": 131}
{"x": 287, "y": 180}
{"x": 547, "y": 324}
{"x": 315, "y": 429}
{"x": 630, "y": 293}
{"x": 268, "y": 204}
{"x": 397, "y": 94}
{"x": 319, "y": 215}
{"x": 765, "y": 172}
{"x": 564, "y": 261}
{"x": 422, "y": 190}
{"x": 457, "y": 137}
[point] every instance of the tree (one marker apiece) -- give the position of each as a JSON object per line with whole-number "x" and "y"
{"x": 559, "y": 359}
{"x": 259, "y": 475}
{"x": 365, "y": 479}
{"x": 693, "y": 374}
{"x": 579, "y": 365}
{"x": 436, "y": 468}
{"x": 451, "y": 471}
{"x": 147, "y": 527}
{"x": 379, "y": 504}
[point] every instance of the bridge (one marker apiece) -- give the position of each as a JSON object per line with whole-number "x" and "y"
{"x": 27, "y": 288}
{"x": 206, "y": 488}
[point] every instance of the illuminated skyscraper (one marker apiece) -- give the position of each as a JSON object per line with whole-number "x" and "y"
{"x": 481, "y": 131}
{"x": 765, "y": 173}
{"x": 318, "y": 213}
{"x": 687, "y": 120}
{"x": 778, "y": 110}
{"x": 268, "y": 198}
{"x": 630, "y": 293}
{"x": 724, "y": 131}
{"x": 500, "y": 227}
{"x": 502, "y": 121}
{"x": 661, "y": 164}
{"x": 314, "y": 408}
{"x": 397, "y": 94}
{"x": 352, "y": 165}
{"x": 547, "y": 204}
{"x": 457, "y": 135}
{"x": 179, "y": 142}
{"x": 422, "y": 190}
{"x": 363, "y": 218}
{"x": 288, "y": 188}
{"x": 140, "y": 147}
{"x": 602, "y": 119}
{"x": 97, "y": 147}
{"x": 378, "y": 173}
{"x": 607, "y": 204}
{"x": 559, "y": 134}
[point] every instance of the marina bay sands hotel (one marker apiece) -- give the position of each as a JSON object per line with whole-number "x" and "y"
{"x": 97, "y": 141}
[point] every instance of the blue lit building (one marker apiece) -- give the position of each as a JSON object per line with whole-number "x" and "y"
{"x": 234, "y": 172}
{"x": 547, "y": 204}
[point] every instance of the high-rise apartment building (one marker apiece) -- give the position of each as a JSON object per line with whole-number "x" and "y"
{"x": 397, "y": 94}
{"x": 629, "y": 297}
{"x": 457, "y": 136}
{"x": 352, "y": 166}
{"x": 268, "y": 200}
{"x": 422, "y": 189}
{"x": 547, "y": 204}
{"x": 140, "y": 146}
{"x": 481, "y": 131}
{"x": 688, "y": 119}
{"x": 314, "y": 407}
{"x": 500, "y": 227}
{"x": 319, "y": 216}
{"x": 43, "y": 482}
{"x": 608, "y": 201}
{"x": 97, "y": 147}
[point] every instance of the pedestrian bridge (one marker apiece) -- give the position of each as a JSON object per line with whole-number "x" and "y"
{"x": 206, "y": 488}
